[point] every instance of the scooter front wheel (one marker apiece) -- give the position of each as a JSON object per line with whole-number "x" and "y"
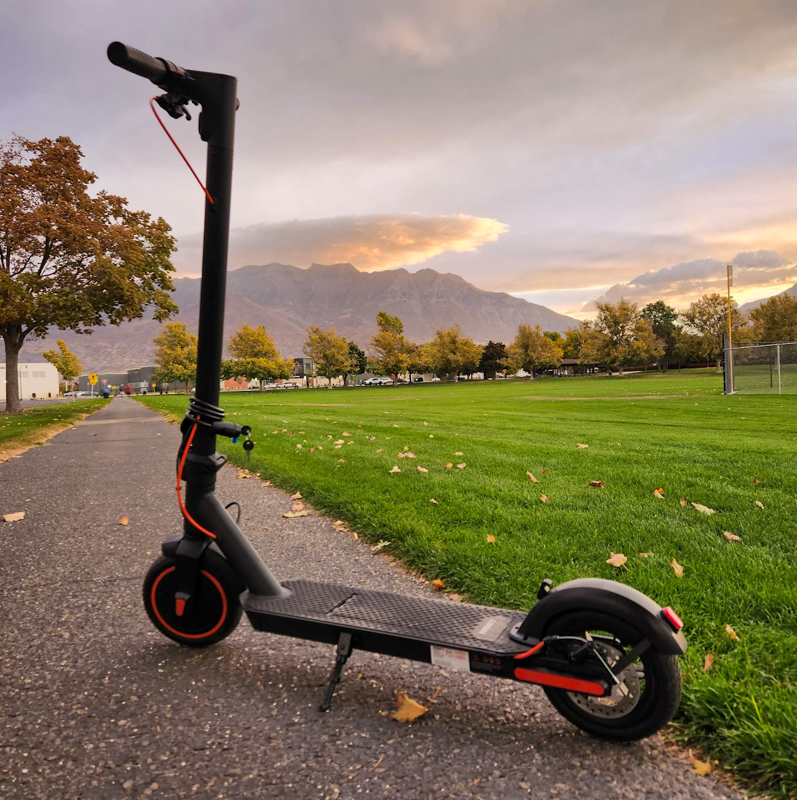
{"x": 209, "y": 616}
{"x": 649, "y": 689}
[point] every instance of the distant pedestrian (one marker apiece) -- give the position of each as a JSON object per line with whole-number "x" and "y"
{"x": 128, "y": 390}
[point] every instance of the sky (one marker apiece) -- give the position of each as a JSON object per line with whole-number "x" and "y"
{"x": 560, "y": 151}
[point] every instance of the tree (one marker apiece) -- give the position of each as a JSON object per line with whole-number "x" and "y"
{"x": 450, "y": 353}
{"x": 688, "y": 348}
{"x": 663, "y": 319}
{"x": 532, "y": 349}
{"x": 255, "y": 356}
{"x": 776, "y": 320}
{"x": 554, "y": 336}
{"x": 65, "y": 361}
{"x": 708, "y": 318}
{"x": 330, "y": 353}
{"x": 620, "y": 337}
{"x": 68, "y": 259}
{"x": 175, "y": 354}
{"x": 493, "y": 359}
{"x": 359, "y": 362}
{"x": 391, "y": 353}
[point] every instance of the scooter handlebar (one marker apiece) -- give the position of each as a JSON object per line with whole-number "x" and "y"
{"x": 140, "y": 63}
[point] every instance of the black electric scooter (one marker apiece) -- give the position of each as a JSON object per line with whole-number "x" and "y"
{"x": 605, "y": 654}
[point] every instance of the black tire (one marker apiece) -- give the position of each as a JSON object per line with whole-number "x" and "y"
{"x": 653, "y": 682}
{"x": 210, "y": 616}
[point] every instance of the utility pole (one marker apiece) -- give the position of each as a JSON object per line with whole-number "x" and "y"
{"x": 730, "y": 339}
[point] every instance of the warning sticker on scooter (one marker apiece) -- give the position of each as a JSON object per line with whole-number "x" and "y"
{"x": 449, "y": 658}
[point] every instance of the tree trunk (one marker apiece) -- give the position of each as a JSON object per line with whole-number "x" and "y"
{"x": 13, "y": 338}
{"x": 620, "y": 370}
{"x": 719, "y": 365}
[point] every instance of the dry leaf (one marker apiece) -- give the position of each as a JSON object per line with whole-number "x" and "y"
{"x": 644, "y": 555}
{"x": 759, "y": 503}
{"x": 341, "y": 461}
{"x": 395, "y": 469}
{"x": 431, "y": 436}
{"x": 682, "y": 501}
{"x": 124, "y": 521}
{"x": 544, "y": 498}
{"x": 458, "y": 453}
{"x": 406, "y": 447}
{"x": 532, "y": 478}
{"x": 345, "y": 433}
{"x": 708, "y": 662}
{"x": 582, "y": 446}
{"x": 732, "y": 633}
{"x": 731, "y": 537}
{"x": 15, "y": 517}
{"x": 490, "y": 538}
{"x": 449, "y": 465}
{"x": 410, "y": 455}
{"x": 677, "y": 569}
{"x": 756, "y": 481}
{"x": 341, "y": 526}
{"x": 294, "y": 514}
{"x": 659, "y": 494}
{"x": 702, "y": 509}
{"x": 377, "y": 547}
{"x": 596, "y": 484}
{"x": 701, "y": 767}
{"x": 462, "y": 465}
{"x": 425, "y": 423}
{"x": 408, "y": 709}
{"x": 617, "y": 560}
{"x": 422, "y": 469}
{"x": 438, "y": 584}
{"x": 339, "y": 441}
{"x": 433, "y": 501}
{"x": 298, "y": 447}
{"x": 379, "y": 450}
{"x": 338, "y": 446}
{"x": 297, "y": 507}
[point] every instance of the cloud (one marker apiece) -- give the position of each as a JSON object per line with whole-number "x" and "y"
{"x": 371, "y": 243}
{"x": 681, "y": 284}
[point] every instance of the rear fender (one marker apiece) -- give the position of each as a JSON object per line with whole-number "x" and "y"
{"x": 609, "y": 597}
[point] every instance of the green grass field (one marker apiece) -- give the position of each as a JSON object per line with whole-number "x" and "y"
{"x": 645, "y": 432}
{"x": 33, "y": 425}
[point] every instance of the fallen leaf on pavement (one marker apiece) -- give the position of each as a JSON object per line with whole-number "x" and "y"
{"x": 702, "y": 509}
{"x": 438, "y": 584}
{"x": 732, "y": 633}
{"x": 731, "y": 537}
{"x": 15, "y": 517}
{"x": 408, "y": 709}
{"x": 297, "y": 507}
{"x": 708, "y": 662}
{"x": 701, "y": 767}
{"x": 677, "y": 569}
{"x": 617, "y": 560}
{"x": 340, "y": 525}
{"x": 294, "y": 514}
{"x": 124, "y": 521}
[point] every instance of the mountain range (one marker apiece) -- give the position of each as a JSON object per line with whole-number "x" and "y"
{"x": 756, "y": 303}
{"x": 287, "y": 299}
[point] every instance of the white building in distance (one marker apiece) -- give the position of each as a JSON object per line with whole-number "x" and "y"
{"x": 36, "y": 381}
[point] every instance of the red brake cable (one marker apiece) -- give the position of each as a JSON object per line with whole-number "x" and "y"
{"x": 179, "y": 481}
{"x": 171, "y": 138}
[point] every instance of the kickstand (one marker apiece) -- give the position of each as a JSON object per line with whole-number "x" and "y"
{"x": 343, "y": 653}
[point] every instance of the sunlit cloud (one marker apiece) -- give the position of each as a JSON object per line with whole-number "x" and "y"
{"x": 371, "y": 243}
{"x": 755, "y": 274}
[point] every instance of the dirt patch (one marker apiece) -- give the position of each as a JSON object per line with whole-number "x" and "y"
{"x": 612, "y": 398}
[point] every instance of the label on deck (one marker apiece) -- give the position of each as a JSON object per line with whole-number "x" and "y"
{"x": 450, "y": 658}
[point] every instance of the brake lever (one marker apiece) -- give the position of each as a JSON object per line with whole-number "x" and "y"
{"x": 174, "y": 105}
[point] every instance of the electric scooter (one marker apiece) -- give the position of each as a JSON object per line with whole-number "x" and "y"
{"x": 605, "y": 654}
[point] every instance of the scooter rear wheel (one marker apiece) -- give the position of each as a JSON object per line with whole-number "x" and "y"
{"x": 209, "y": 616}
{"x": 649, "y": 691}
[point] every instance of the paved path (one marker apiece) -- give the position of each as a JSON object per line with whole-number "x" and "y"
{"x": 96, "y": 704}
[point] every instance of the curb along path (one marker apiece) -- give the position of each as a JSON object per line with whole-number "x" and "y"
{"x": 97, "y": 704}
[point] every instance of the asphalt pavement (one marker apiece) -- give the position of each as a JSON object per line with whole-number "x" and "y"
{"x": 97, "y": 704}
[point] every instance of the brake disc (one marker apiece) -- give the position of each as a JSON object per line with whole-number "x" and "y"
{"x": 624, "y": 695}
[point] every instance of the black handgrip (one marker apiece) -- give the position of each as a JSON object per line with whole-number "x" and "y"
{"x": 137, "y": 62}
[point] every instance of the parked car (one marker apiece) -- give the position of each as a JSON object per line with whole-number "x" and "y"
{"x": 419, "y": 379}
{"x": 379, "y": 380}
{"x": 435, "y": 379}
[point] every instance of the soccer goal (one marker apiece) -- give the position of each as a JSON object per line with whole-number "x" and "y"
{"x": 761, "y": 369}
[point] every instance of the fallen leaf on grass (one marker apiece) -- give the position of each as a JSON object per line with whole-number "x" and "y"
{"x": 544, "y": 498}
{"x": 701, "y": 767}
{"x": 732, "y": 633}
{"x": 438, "y": 584}
{"x": 682, "y": 501}
{"x": 677, "y": 569}
{"x": 395, "y": 469}
{"x": 659, "y": 494}
{"x": 617, "y": 560}
{"x": 431, "y": 436}
{"x": 295, "y": 514}
{"x": 408, "y": 709}
{"x": 756, "y": 481}
{"x": 341, "y": 461}
{"x": 462, "y": 465}
{"x": 458, "y": 453}
{"x": 449, "y": 465}
{"x": 124, "y": 521}
{"x": 702, "y": 509}
{"x": 433, "y": 501}
{"x": 731, "y": 537}
{"x": 582, "y": 446}
{"x": 339, "y": 441}
{"x": 298, "y": 447}
{"x": 708, "y": 662}
{"x": 532, "y": 478}
{"x": 422, "y": 469}
{"x": 759, "y": 504}
{"x": 490, "y": 538}
{"x": 596, "y": 484}
{"x": 15, "y": 517}
{"x": 345, "y": 433}
{"x": 379, "y": 450}
{"x": 408, "y": 455}
{"x": 377, "y": 547}
{"x": 338, "y": 446}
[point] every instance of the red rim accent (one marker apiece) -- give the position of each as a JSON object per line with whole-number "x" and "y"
{"x": 180, "y": 633}
{"x": 559, "y": 681}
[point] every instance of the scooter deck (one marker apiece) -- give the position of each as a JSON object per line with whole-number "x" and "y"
{"x": 382, "y": 622}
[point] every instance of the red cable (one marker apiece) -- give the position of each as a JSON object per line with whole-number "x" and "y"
{"x": 171, "y": 138}
{"x": 179, "y": 480}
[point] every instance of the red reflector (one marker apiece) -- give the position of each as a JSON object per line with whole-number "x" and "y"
{"x": 559, "y": 681}
{"x": 672, "y": 618}
{"x": 179, "y": 607}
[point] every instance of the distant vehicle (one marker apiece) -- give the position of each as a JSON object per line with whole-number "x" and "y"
{"x": 378, "y": 381}
{"x": 435, "y": 379}
{"x": 417, "y": 380}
